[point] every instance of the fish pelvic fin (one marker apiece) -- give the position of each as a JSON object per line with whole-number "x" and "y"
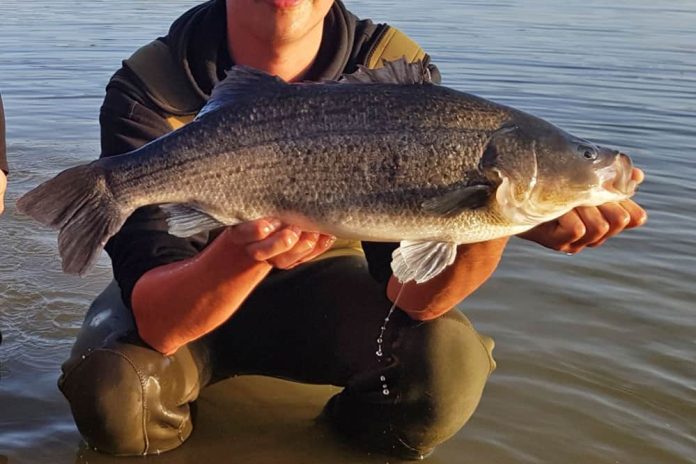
{"x": 185, "y": 220}
{"x": 393, "y": 72}
{"x": 421, "y": 261}
{"x": 79, "y": 202}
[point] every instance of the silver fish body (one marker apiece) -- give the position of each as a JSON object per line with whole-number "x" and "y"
{"x": 399, "y": 160}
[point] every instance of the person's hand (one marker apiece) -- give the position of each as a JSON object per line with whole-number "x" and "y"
{"x": 3, "y": 186}
{"x": 283, "y": 246}
{"x": 589, "y": 226}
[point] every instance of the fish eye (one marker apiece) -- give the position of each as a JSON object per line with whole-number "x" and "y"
{"x": 589, "y": 153}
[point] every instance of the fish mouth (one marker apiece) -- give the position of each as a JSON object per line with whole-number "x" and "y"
{"x": 617, "y": 178}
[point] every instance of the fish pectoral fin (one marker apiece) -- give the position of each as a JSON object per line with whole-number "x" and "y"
{"x": 421, "y": 261}
{"x": 185, "y": 220}
{"x": 461, "y": 199}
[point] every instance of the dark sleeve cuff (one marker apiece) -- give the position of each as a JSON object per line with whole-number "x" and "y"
{"x": 379, "y": 255}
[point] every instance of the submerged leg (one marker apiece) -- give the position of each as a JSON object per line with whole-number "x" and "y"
{"x": 319, "y": 323}
{"x": 126, "y": 398}
{"x": 425, "y": 390}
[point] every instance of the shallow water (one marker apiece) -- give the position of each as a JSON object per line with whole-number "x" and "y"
{"x": 595, "y": 352}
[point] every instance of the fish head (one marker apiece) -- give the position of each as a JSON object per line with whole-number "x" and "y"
{"x": 542, "y": 172}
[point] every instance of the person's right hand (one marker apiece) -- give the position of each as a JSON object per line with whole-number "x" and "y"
{"x": 281, "y": 245}
{"x": 3, "y": 186}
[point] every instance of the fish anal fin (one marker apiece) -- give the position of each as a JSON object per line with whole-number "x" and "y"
{"x": 420, "y": 261}
{"x": 185, "y": 220}
{"x": 459, "y": 200}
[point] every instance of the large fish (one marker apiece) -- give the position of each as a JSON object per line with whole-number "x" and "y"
{"x": 384, "y": 155}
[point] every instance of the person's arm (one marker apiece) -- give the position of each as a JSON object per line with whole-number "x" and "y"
{"x": 3, "y": 158}
{"x": 180, "y": 302}
{"x": 474, "y": 264}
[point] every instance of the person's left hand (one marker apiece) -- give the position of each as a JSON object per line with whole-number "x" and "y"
{"x": 589, "y": 226}
{"x": 3, "y": 186}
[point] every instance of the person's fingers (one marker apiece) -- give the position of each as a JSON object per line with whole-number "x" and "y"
{"x": 557, "y": 234}
{"x": 638, "y": 175}
{"x": 616, "y": 217}
{"x": 303, "y": 247}
{"x": 596, "y": 226}
{"x": 253, "y": 231}
{"x": 323, "y": 243}
{"x": 277, "y": 243}
{"x": 569, "y": 229}
{"x": 638, "y": 216}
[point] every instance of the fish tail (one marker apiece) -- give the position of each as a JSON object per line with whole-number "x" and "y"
{"x": 79, "y": 202}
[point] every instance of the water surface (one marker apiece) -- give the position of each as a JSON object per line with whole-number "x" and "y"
{"x": 595, "y": 352}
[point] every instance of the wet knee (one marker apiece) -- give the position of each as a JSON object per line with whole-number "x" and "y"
{"x": 445, "y": 365}
{"x": 117, "y": 407}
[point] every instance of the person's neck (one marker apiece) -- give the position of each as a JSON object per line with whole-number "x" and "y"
{"x": 288, "y": 60}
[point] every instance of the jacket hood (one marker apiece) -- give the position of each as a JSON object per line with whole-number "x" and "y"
{"x": 198, "y": 42}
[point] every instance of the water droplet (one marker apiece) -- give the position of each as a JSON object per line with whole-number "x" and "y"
{"x": 378, "y": 353}
{"x": 385, "y": 386}
{"x": 379, "y": 340}
{"x": 382, "y": 378}
{"x": 387, "y": 319}
{"x": 84, "y": 357}
{"x": 385, "y": 392}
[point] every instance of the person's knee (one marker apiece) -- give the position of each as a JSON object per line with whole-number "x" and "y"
{"x": 445, "y": 364}
{"x": 118, "y": 408}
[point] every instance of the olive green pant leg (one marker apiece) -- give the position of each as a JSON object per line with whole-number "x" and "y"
{"x": 126, "y": 398}
{"x": 320, "y": 324}
{"x": 426, "y": 389}
{"x": 317, "y": 323}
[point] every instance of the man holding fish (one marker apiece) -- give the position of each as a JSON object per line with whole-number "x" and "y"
{"x": 271, "y": 295}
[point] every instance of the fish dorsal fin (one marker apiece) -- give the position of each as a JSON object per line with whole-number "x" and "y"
{"x": 242, "y": 83}
{"x": 421, "y": 261}
{"x": 459, "y": 200}
{"x": 393, "y": 72}
{"x": 185, "y": 220}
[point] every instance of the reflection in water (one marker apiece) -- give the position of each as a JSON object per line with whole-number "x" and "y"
{"x": 595, "y": 352}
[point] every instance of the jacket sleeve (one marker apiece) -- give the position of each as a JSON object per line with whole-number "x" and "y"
{"x": 378, "y": 254}
{"x": 128, "y": 121}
